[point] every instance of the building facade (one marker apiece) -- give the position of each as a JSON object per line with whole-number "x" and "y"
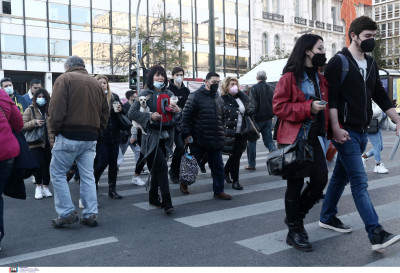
{"x": 387, "y": 14}
{"x": 279, "y": 23}
{"x": 38, "y": 35}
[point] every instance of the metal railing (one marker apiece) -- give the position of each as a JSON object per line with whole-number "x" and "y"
{"x": 273, "y": 16}
{"x": 300, "y": 21}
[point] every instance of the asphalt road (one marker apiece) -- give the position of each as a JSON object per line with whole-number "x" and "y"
{"x": 245, "y": 231}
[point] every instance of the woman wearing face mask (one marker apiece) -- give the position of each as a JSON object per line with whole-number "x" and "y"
{"x": 236, "y": 104}
{"x": 159, "y": 126}
{"x": 35, "y": 116}
{"x": 107, "y": 147}
{"x": 298, "y": 103}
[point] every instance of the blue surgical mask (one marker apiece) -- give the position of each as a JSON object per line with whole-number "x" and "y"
{"x": 41, "y": 101}
{"x": 159, "y": 85}
{"x": 9, "y": 90}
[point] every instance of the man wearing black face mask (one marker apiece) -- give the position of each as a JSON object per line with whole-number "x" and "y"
{"x": 350, "y": 114}
{"x": 203, "y": 125}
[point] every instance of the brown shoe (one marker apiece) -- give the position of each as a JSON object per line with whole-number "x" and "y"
{"x": 184, "y": 188}
{"x": 250, "y": 168}
{"x": 223, "y": 196}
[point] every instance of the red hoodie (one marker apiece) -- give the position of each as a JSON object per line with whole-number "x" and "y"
{"x": 9, "y": 147}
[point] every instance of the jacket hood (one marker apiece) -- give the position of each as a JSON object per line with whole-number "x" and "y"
{"x": 173, "y": 85}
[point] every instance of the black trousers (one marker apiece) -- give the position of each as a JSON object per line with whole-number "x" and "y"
{"x": 159, "y": 172}
{"x": 233, "y": 164}
{"x": 43, "y": 158}
{"x": 178, "y": 153}
{"x": 106, "y": 155}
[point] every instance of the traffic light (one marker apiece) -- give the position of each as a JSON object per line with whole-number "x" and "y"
{"x": 132, "y": 77}
{"x": 145, "y": 75}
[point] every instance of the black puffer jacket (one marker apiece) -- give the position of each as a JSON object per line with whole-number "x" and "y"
{"x": 231, "y": 108}
{"x": 203, "y": 119}
{"x": 112, "y": 132}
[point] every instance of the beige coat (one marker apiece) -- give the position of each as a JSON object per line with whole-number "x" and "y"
{"x": 30, "y": 124}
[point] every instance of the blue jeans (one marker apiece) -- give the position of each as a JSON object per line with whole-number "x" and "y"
{"x": 65, "y": 152}
{"x": 349, "y": 167}
{"x": 215, "y": 163}
{"x": 5, "y": 172}
{"x": 377, "y": 143}
{"x": 266, "y": 132}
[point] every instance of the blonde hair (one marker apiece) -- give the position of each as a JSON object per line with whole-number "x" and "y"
{"x": 225, "y": 84}
{"x": 109, "y": 94}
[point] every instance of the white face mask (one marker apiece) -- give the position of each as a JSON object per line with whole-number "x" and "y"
{"x": 179, "y": 79}
{"x": 9, "y": 90}
{"x": 106, "y": 92}
{"x": 41, "y": 101}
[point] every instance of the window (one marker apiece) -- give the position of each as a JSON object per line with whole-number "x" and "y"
{"x": 265, "y": 5}
{"x": 80, "y": 15}
{"x": 333, "y": 49}
{"x": 277, "y": 42}
{"x": 396, "y": 28}
{"x": 243, "y": 10}
{"x": 390, "y": 11}
{"x": 297, "y": 7}
{"x": 58, "y": 12}
{"x": 6, "y": 7}
{"x": 265, "y": 44}
{"x": 12, "y": 43}
{"x": 383, "y": 30}
{"x": 121, "y": 20}
{"x": 230, "y": 8}
{"x": 377, "y": 13}
{"x": 383, "y": 13}
{"x": 219, "y": 36}
{"x": 390, "y": 30}
{"x": 396, "y": 9}
{"x": 334, "y": 15}
{"x": 59, "y": 47}
{"x": 101, "y": 18}
{"x": 35, "y": 9}
{"x": 230, "y": 37}
{"x": 81, "y": 48}
{"x": 314, "y": 9}
{"x": 243, "y": 39}
{"x": 275, "y": 7}
{"x": 243, "y": 63}
{"x": 35, "y": 45}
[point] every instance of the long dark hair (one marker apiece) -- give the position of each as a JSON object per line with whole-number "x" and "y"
{"x": 156, "y": 69}
{"x": 45, "y": 95}
{"x": 296, "y": 60}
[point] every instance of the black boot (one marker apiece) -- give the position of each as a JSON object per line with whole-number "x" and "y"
{"x": 296, "y": 236}
{"x": 167, "y": 203}
{"x": 154, "y": 198}
{"x": 227, "y": 177}
{"x": 111, "y": 190}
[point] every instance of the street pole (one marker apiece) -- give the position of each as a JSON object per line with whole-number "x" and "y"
{"x": 211, "y": 35}
{"x": 192, "y": 42}
{"x": 137, "y": 49}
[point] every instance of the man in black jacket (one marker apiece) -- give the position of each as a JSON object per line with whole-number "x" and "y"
{"x": 203, "y": 126}
{"x": 261, "y": 107}
{"x": 177, "y": 87}
{"x": 350, "y": 114}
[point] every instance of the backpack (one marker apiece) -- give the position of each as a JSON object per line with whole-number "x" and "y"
{"x": 345, "y": 67}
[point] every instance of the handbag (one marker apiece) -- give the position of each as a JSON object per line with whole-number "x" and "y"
{"x": 189, "y": 169}
{"x": 35, "y": 136}
{"x": 124, "y": 123}
{"x": 373, "y": 126}
{"x": 249, "y": 129}
{"x": 290, "y": 158}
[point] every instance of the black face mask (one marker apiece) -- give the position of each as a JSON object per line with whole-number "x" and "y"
{"x": 368, "y": 45}
{"x": 214, "y": 87}
{"x": 318, "y": 59}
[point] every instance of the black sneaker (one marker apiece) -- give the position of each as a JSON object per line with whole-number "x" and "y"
{"x": 90, "y": 221}
{"x": 336, "y": 225}
{"x": 382, "y": 239}
{"x": 72, "y": 218}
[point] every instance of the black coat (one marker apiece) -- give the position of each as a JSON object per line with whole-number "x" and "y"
{"x": 112, "y": 132}
{"x": 203, "y": 119}
{"x": 231, "y": 108}
{"x": 261, "y": 101}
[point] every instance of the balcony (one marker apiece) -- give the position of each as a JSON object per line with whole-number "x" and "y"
{"x": 273, "y": 16}
{"x": 329, "y": 26}
{"x": 319, "y": 24}
{"x": 300, "y": 21}
{"x": 337, "y": 28}
{"x": 311, "y": 23}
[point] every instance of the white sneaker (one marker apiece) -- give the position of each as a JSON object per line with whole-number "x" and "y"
{"x": 380, "y": 169}
{"x": 138, "y": 181}
{"x": 38, "y": 193}
{"x": 364, "y": 160}
{"x": 80, "y": 204}
{"x": 46, "y": 192}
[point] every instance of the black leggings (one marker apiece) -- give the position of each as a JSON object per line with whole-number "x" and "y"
{"x": 43, "y": 158}
{"x": 159, "y": 172}
{"x": 233, "y": 164}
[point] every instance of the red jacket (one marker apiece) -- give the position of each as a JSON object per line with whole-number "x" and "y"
{"x": 290, "y": 106}
{"x": 9, "y": 146}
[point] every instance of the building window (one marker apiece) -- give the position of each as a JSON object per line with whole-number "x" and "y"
{"x": 35, "y": 45}
{"x": 6, "y": 7}
{"x": 297, "y": 8}
{"x": 14, "y": 43}
{"x": 265, "y": 6}
{"x": 377, "y": 13}
{"x": 314, "y": 9}
{"x": 265, "y": 44}
{"x": 35, "y": 9}
{"x": 58, "y": 12}
{"x": 275, "y": 7}
{"x": 334, "y": 15}
{"x": 277, "y": 42}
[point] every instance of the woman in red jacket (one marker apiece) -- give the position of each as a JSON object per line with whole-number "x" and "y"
{"x": 10, "y": 120}
{"x": 299, "y": 98}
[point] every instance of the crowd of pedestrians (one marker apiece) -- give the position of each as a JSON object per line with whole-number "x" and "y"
{"x": 82, "y": 130}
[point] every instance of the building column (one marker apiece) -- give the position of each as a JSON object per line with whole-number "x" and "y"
{"x": 48, "y": 82}
{"x": 320, "y": 8}
{"x": 269, "y": 6}
{"x": 1, "y": 74}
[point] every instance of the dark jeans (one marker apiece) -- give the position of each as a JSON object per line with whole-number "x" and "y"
{"x": 159, "y": 172}
{"x": 178, "y": 152}
{"x": 215, "y": 163}
{"x": 5, "y": 171}
{"x": 106, "y": 155}
{"x": 140, "y": 164}
{"x": 43, "y": 158}
{"x": 233, "y": 164}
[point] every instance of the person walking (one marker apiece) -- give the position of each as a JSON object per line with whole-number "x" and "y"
{"x": 261, "y": 108}
{"x": 297, "y": 103}
{"x": 77, "y": 112}
{"x": 350, "y": 115}
{"x": 108, "y": 141}
{"x": 203, "y": 126}
{"x": 36, "y": 116}
{"x": 236, "y": 105}
{"x": 7, "y": 85}
{"x": 159, "y": 127}
{"x": 10, "y": 120}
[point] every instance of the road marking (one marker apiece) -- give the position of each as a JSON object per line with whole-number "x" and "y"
{"x": 57, "y": 250}
{"x": 275, "y": 242}
{"x": 386, "y": 262}
{"x": 224, "y": 215}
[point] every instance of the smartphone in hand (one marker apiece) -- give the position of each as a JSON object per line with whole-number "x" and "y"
{"x": 322, "y": 102}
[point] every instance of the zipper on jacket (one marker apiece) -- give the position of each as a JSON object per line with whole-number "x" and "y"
{"x": 366, "y": 97}
{"x": 345, "y": 112}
